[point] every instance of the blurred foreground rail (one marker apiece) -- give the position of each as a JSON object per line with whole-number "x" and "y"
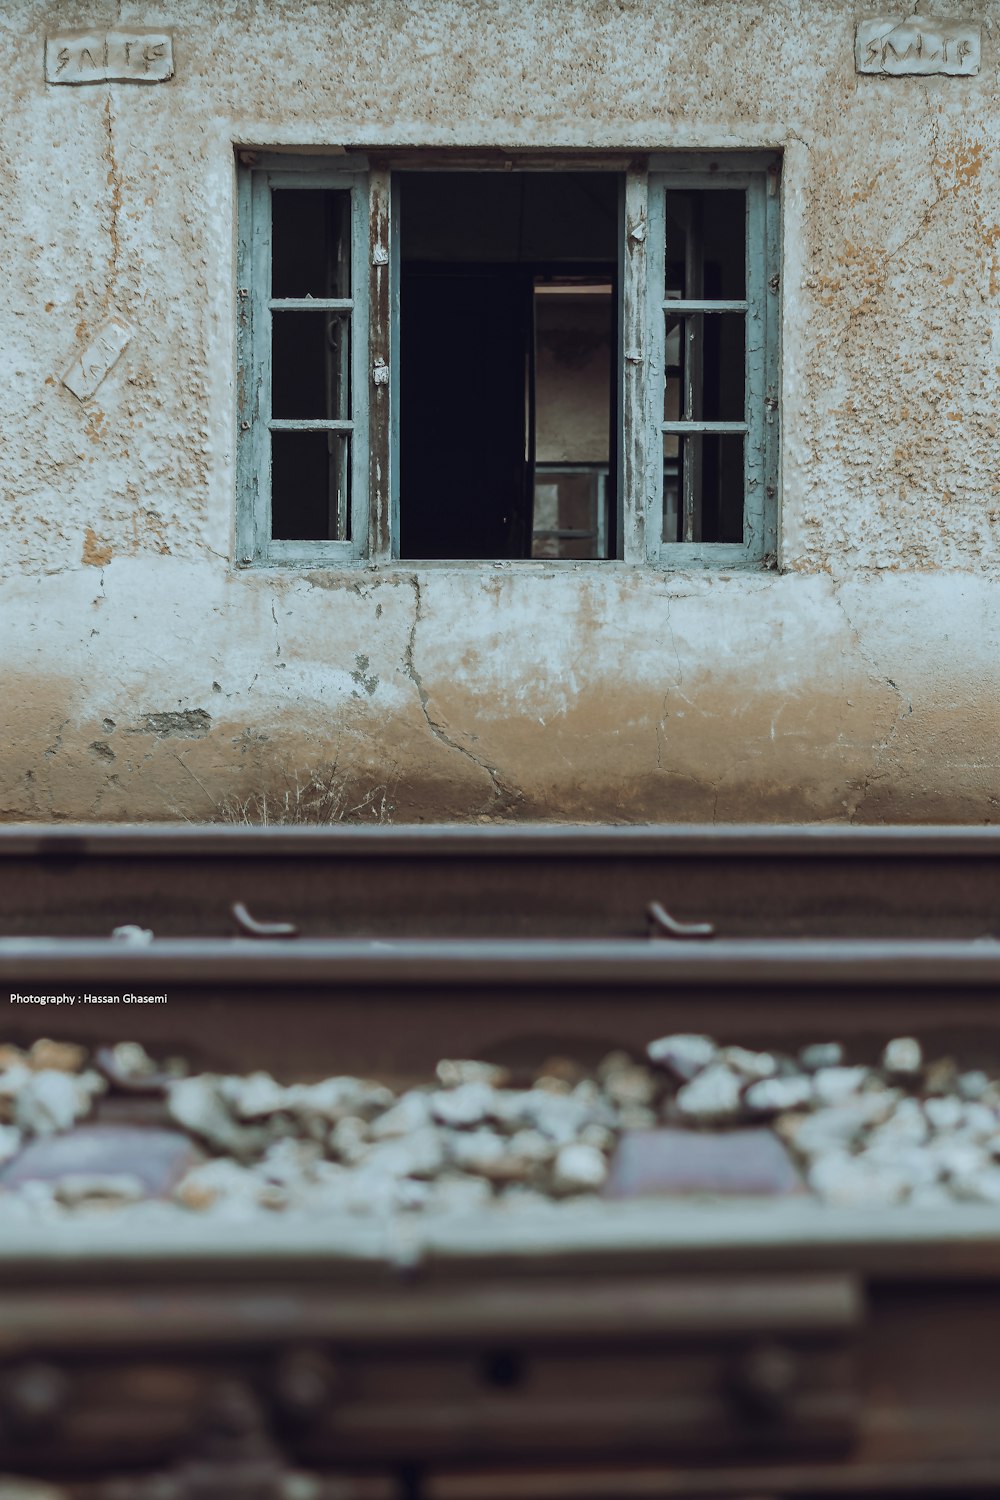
{"x": 598, "y": 1351}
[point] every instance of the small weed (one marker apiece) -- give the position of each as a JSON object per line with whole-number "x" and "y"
{"x": 321, "y": 796}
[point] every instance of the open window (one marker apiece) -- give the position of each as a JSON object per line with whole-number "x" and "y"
{"x": 507, "y": 339}
{"x": 511, "y": 363}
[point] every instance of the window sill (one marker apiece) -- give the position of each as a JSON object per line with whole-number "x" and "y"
{"x": 703, "y": 561}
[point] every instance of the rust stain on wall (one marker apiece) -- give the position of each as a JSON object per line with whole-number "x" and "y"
{"x": 96, "y": 551}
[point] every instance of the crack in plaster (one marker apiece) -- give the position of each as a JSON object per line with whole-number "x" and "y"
{"x": 114, "y": 180}
{"x": 506, "y": 796}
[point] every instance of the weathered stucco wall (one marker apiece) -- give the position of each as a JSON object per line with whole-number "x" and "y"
{"x": 143, "y": 677}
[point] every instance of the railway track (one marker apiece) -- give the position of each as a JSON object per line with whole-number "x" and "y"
{"x": 776, "y": 1348}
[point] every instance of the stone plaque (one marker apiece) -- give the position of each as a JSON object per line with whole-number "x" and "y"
{"x": 85, "y": 375}
{"x": 128, "y": 54}
{"x": 917, "y": 44}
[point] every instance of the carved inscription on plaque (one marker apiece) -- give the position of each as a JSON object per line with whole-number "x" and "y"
{"x": 125, "y": 55}
{"x": 85, "y": 374}
{"x": 918, "y": 44}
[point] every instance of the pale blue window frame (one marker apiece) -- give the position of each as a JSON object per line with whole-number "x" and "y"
{"x": 257, "y": 185}
{"x": 641, "y": 372}
{"x": 757, "y": 177}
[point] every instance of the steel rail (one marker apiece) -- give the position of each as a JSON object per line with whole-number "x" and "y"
{"x": 497, "y": 841}
{"x": 584, "y": 964}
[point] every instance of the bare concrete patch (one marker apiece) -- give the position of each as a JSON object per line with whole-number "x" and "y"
{"x": 188, "y": 723}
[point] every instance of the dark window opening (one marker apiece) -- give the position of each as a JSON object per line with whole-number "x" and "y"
{"x": 507, "y": 389}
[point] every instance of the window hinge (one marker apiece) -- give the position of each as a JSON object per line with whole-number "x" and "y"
{"x": 633, "y": 356}
{"x": 243, "y": 293}
{"x": 380, "y": 372}
{"x": 380, "y": 256}
{"x": 774, "y": 282}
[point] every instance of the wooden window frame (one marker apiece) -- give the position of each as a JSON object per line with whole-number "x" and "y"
{"x": 640, "y": 367}
{"x": 757, "y": 176}
{"x": 258, "y": 181}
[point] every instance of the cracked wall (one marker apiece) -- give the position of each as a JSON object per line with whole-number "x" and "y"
{"x": 144, "y": 677}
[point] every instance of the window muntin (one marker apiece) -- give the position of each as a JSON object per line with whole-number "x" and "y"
{"x": 691, "y": 478}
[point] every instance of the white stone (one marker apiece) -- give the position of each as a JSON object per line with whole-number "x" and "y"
{"x": 906, "y": 1125}
{"x": 49, "y": 1101}
{"x": 212, "y": 1181}
{"x": 410, "y": 1112}
{"x": 258, "y": 1096}
{"x": 821, "y": 1055}
{"x": 559, "y": 1117}
{"x": 579, "y": 1168}
{"x": 833, "y": 1085}
{"x": 196, "y": 1104}
{"x": 837, "y": 1125}
{"x": 851, "y": 1180}
{"x": 959, "y": 1160}
{"x": 132, "y": 1060}
{"x": 349, "y": 1139}
{"x": 945, "y": 1113}
{"x": 137, "y": 937}
{"x": 973, "y": 1085}
{"x": 713, "y": 1095}
{"x": 10, "y": 1142}
{"x": 335, "y": 1098}
{"x": 633, "y": 1085}
{"x": 979, "y": 1122}
{"x": 775, "y": 1095}
{"x": 452, "y": 1072}
{"x": 535, "y": 1148}
{"x": 454, "y": 1194}
{"x": 754, "y": 1065}
{"x": 916, "y": 1165}
{"x": 683, "y": 1054}
{"x": 290, "y": 1162}
{"x": 979, "y": 1186}
{"x": 903, "y": 1057}
{"x": 477, "y": 1151}
{"x": 12, "y": 1080}
{"x": 466, "y": 1104}
{"x": 420, "y": 1154}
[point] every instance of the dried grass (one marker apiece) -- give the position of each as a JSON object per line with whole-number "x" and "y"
{"x": 322, "y": 796}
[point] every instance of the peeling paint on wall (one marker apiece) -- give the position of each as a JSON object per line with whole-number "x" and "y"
{"x": 860, "y": 682}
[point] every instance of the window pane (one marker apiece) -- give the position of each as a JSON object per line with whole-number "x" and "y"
{"x": 310, "y": 486}
{"x": 705, "y": 367}
{"x": 310, "y": 365}
{"x": 703, "y": 487}
{"x": 569, "y": 515}
{"x": 311, "y": 242}
{"x": 706, "y": 245}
